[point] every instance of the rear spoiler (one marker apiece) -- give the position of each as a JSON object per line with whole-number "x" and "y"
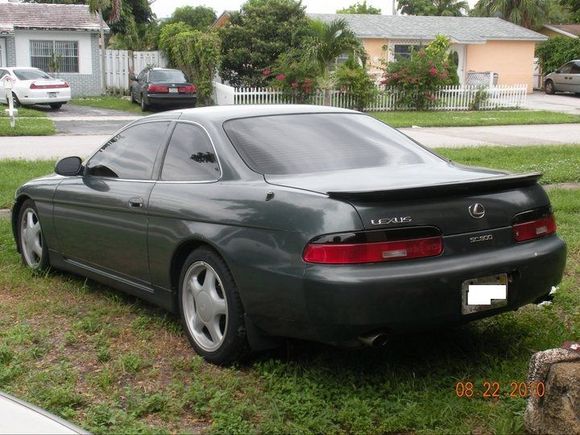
{"x": 478, "y": 186}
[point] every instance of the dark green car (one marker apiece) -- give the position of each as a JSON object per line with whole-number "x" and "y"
{"x": 262, "y": 222}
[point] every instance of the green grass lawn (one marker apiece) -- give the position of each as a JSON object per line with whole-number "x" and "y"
{"x": 15, "y": 172}
{"x": 108, "y": 102}
{"x": 466, "y": 119}
{"x": 40, "y": 126}
{"x": 114, "y": 364}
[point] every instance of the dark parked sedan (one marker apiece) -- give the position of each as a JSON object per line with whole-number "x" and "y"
{"x": 162, "y": 87}
{"x": 261, "y": 222}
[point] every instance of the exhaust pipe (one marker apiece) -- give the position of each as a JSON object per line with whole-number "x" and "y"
{"x": 375, "y": 340}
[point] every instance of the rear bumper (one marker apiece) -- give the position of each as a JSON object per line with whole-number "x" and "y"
{"x": 41, "y": 96}
{"x": 345, "y": 302}
{"x": 171, "y": 100}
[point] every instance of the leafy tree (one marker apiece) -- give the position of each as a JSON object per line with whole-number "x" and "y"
{"x": 360, "y": 8}
{"x": 526, "y": 13}
{"x": 196, "y": 53}
{"x": 574, "y": 7}
{"x": 449, "y": 8}
{"x": 257, "y": 35}
{"x": 422, "y": 74}
{"x": 199, "y": 17}
{"x": 555, "y": 52}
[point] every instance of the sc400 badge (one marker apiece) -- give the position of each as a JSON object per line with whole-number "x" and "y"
{"x": 484, "y": 238}
{"x": 392, "y": 220}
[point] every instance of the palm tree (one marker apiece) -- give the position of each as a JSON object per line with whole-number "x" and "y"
{"x": 527, "y": 13}
{"x": 451, "y": 8}
{"x": 96, "y": 7}
{"x": 327, "y": 41}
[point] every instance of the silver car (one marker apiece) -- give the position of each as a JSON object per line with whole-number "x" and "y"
{"x": 564, "y": 79}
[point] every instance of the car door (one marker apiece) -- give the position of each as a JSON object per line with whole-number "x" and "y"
{"x": 575, "y": 81}
{"x": 101, "y": 217}
{"x": 182, "y": 201}
{"x": 562, "y": 77}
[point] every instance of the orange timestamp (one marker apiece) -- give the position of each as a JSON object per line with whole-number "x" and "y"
{"x": 497, "y": 390}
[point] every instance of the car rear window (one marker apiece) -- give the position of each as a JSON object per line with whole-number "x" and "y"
{"x": 167, "y": 76}
{"x": 30, "y": 74}
{"x": 317, "y": 142}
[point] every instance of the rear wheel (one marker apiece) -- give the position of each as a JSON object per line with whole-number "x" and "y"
{"x": 56, "y": 106}
{"x": 549, "y": 87}
{"x": 211, "y": 309}
{"x": 33, "y": 249}
{"x": 144, "y": 105}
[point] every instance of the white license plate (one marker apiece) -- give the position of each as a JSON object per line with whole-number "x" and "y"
{"x": 484, "y": 293}
{"x": 173, "y": 90}
{"x": 52, "y": 94}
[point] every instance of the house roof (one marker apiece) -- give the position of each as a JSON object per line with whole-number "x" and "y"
{"x": 466, "y": 30}
{"x": 47, "y": 17}
{"x": 571, "y": 30}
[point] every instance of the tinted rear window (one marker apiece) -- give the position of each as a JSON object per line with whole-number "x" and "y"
{"x": 30, "y": 74}
{"x": 167, "y": 76}
{"x": 307, "y": 143}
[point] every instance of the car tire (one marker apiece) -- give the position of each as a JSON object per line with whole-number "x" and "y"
{"x": 55, "y": 106}
{"x": 133, "y": 100}
{"x": 33, "y": 249}
{"x": 15, "y": 100}
{"x": 211, "y": 309}
{"x": 144, "y": 105}
{"x": 549, "y": 87}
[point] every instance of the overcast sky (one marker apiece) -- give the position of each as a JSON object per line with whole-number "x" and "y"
{"x": 164, "y": 8}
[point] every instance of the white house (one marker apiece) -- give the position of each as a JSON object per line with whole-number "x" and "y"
{"x": 60, "y": 39}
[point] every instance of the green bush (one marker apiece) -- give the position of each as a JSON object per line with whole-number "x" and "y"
{"x": 354, "y": 78}
{"x": 422, "y": 74}
{"x": 555, "y": 52}
{"x": 295, "y": 74}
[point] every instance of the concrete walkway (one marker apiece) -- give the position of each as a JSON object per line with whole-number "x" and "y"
{"x": 565, "y": 103}
{"x": 45, "y": 147}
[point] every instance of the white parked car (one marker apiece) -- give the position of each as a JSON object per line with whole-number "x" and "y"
{"x": 33, "y": 86}
{"x": 20, "y": 417}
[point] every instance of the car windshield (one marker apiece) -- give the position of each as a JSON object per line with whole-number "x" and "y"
{"x": 167, "y": 76}
{"x": 30, "y": 74}
{"x": 317, "y": 142}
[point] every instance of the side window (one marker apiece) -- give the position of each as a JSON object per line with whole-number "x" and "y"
{"x": 566, "y": 68}
{"x": 576, "y": 68}
{"x": 130, "y": 154}
{"x": 2, "y": 73}
{"x": 190, "y": 156}
{"x": 141, "y": 75}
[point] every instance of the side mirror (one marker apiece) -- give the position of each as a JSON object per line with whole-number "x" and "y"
{"x": 69, "y": 166}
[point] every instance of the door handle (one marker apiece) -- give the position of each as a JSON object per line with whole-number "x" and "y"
{"x": 136, "y": 202}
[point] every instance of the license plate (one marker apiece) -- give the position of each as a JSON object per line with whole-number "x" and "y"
{"x": 173, "y": 90}
{"x": 484, "y": 293}
{"x": 52, "y": 94}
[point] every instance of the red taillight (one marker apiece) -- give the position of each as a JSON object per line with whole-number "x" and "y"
{"x": 353, "y": 253}
{"x": 189, "y": 89}
{"x": 158, "y": 89}
{"x": 534, "y": 229}
{"x": 57, "y": 86}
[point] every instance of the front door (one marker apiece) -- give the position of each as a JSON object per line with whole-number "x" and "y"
{"x": 101, "y": 217}
{"x": 458, "y": 53}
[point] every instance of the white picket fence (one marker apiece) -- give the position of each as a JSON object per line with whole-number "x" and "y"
{"x": 121, "y": 63}
{"x": 446, "y": 98}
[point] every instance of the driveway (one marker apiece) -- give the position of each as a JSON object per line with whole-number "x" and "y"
{"x": 566, "y": 103}
{"x": 83, "y": 120}
{"x": 45, "y": 147}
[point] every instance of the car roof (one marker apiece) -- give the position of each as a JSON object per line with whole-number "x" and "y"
{"x": 18, "y": 68}
{"x": 225, "y": 113}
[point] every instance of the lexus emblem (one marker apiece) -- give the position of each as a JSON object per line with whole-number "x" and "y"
{"x": 477, "y": 210}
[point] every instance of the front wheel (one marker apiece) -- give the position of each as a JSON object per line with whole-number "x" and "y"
{"x": 211, "y": 309}
{"x": 33, "y": 249}
{"x": 549, "y": 87}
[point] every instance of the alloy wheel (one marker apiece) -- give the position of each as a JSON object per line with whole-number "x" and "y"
{"x": 205, "y": 306}
{"x": 31, "y": 238}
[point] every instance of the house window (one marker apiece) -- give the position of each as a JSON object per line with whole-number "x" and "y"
{"x": 55, "y": 56}
{"x": 404, "y": 50}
